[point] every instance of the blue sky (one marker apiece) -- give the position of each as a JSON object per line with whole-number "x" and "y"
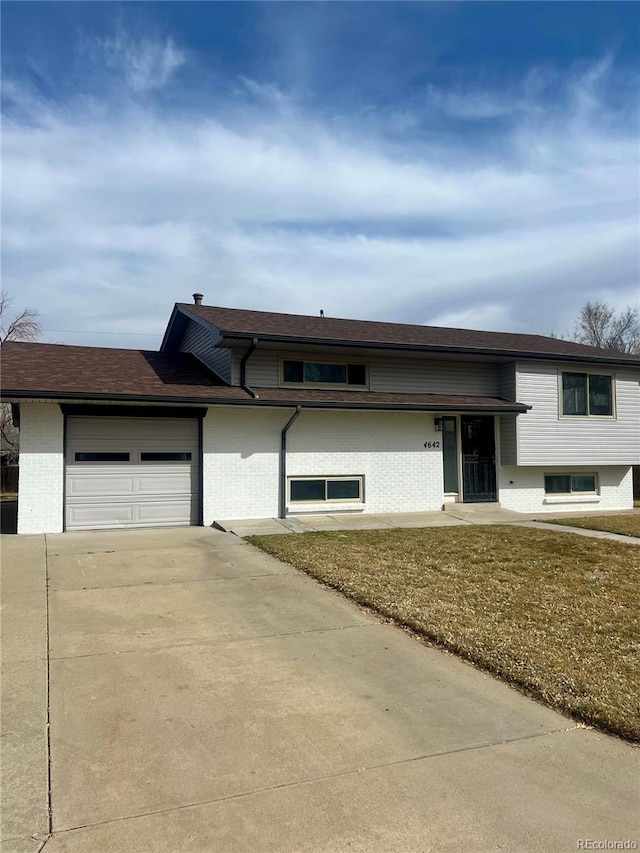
{"x": 469, "y": 164}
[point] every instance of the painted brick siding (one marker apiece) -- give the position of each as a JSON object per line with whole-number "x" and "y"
{"x": 40, "y": 504}
{"x": 241, "y": 460}
{"x": 522, "y": 489}
{"x": 545, "y": 438}
{"x": 400, "y": 474}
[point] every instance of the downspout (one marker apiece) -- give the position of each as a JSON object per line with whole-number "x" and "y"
{"x": 282, "y": 510}
{"x": 243, "y": 369}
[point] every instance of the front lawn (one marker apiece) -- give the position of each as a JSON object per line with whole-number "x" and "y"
{"x": 555, "y": 614}
{"x": 627, "y": 525}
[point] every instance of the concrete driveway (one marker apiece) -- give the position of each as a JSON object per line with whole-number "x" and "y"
{"x": 204, "y": 697}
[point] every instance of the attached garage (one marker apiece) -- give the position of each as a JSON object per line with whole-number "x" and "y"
{"x": 131, "y": 472}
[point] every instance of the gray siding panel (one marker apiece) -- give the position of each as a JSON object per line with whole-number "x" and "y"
{"x": 545, "y": 438}
{"x": 197, "y": 340}
{"x": 508, "y": 440}
{"x": 394, "y": 374}
{"x": 507, "y": 381}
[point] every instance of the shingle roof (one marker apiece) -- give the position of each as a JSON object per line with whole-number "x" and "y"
{"x": 58, "y": 371}
{"x": 60, "y": 368}
{"x": 233, "y": 323}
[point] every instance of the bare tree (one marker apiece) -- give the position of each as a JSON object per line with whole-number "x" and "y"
{"x": 600, "y": 325}
{"x": 23, "y": 326}
{"x": 19, "y": 327}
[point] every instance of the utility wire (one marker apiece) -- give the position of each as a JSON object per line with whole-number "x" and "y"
{"x": 94, "y": 332}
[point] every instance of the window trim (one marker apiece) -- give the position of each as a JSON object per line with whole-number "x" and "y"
{"x": 102, "y": 453}
{"x": 332, "y": 385}
{"x": 327, "y": 478}
{"x": 571, "y": 492}
{"x": 166, "y": 454}
{"x": 587, "y": 371}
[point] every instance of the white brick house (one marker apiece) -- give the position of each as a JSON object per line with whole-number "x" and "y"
{"x": 248, "y": 414}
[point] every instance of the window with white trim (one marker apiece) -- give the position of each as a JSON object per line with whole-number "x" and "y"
{"x": 325, "y": 489}
{"x": 295, "y": 372}
{"x": 570, "y": 484}
{"x": 587, "y": 394}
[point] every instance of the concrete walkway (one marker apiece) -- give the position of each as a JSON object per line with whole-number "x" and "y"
{"x": 202, "y": 696}
{"x": 454, "y": 514}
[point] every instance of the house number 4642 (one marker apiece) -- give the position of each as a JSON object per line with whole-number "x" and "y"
{"x": 430, "y": 444}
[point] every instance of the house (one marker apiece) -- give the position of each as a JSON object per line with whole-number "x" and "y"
{"x": 249, "y": 414}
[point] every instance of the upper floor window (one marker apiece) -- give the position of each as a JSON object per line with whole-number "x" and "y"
{"x": 587, "y": 394}
{"x": 324, "y": 373}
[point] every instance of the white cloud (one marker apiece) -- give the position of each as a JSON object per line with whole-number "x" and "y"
{"x": 145, "y": 64}
{"x": 108, "y": 222}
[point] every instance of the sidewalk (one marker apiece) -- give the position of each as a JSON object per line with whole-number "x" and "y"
{"x": 454, "y": 514}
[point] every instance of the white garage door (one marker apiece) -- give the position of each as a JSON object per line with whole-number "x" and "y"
{"x": 131, "y": 472}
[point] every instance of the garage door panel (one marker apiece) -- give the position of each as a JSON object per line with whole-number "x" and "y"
{"x": 95, "y": 516}
{"x": 133, "y": 493}
{"x": 100, "y": 484}
{"x": 178, "y": 482}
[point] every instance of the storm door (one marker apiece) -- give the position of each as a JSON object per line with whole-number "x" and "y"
{"x": 478, "y": 459}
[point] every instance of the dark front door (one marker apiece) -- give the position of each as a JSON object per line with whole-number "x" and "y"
{"x": 478, "y": 459}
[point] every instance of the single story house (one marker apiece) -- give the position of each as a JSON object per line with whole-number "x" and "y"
{"x": 249, "y": 414}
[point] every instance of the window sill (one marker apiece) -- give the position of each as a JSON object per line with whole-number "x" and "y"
{"x": 325, "y": 506}
{"x": 572, "y": 499}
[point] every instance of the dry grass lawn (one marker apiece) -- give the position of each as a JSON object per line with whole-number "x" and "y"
{"x": 556, "y": 615}
{"x": 627, "y": 525}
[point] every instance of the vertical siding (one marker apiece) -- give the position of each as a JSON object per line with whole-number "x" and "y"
{"x": 393, "y": 374}
{"x": 545, "y": 438}
{"x": 508, "y": 443}
{"x": 197, "y": 340}
{"x": 507, "y": 381}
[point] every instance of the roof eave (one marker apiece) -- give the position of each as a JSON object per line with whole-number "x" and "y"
{"x": 230, "y": 335}
{"x": 13, "y": 396}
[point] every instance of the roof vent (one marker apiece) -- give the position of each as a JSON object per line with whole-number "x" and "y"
{"x": 197, "y": 298}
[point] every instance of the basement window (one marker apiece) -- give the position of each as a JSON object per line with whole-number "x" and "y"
{"x": 570, "y": 484}
{"x": 325, "y": 489}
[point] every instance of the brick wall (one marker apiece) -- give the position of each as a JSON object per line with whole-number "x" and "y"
{"x": 241, "y": 459}
{"x": 40, "y": 501}
{"x": 522, "y": 489}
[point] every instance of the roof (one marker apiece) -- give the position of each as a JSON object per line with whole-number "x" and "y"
{"x": 236, "y": 324}
{"x": 61, "y": 372}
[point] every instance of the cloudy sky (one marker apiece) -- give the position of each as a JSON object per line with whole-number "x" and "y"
{"x": 465, "y": 164}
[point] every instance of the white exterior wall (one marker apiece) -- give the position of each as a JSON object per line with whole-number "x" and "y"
{"x": 387, "y": 448}
{"x": 546, "y": 438}
{"x": 522, "y": 489}
{"x": 241, "y": 460}
{"x": 40, "y": 504}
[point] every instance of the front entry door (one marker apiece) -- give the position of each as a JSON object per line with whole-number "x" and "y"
{"x": 478, "y": 459}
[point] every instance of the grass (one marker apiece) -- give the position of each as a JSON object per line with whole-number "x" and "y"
{"x": 553, "y": 614}
{"x": 627, "y": 525}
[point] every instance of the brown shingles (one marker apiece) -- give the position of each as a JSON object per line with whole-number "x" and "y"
{"x": 59, "y": 370}
{"x": 232, "y": 321}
